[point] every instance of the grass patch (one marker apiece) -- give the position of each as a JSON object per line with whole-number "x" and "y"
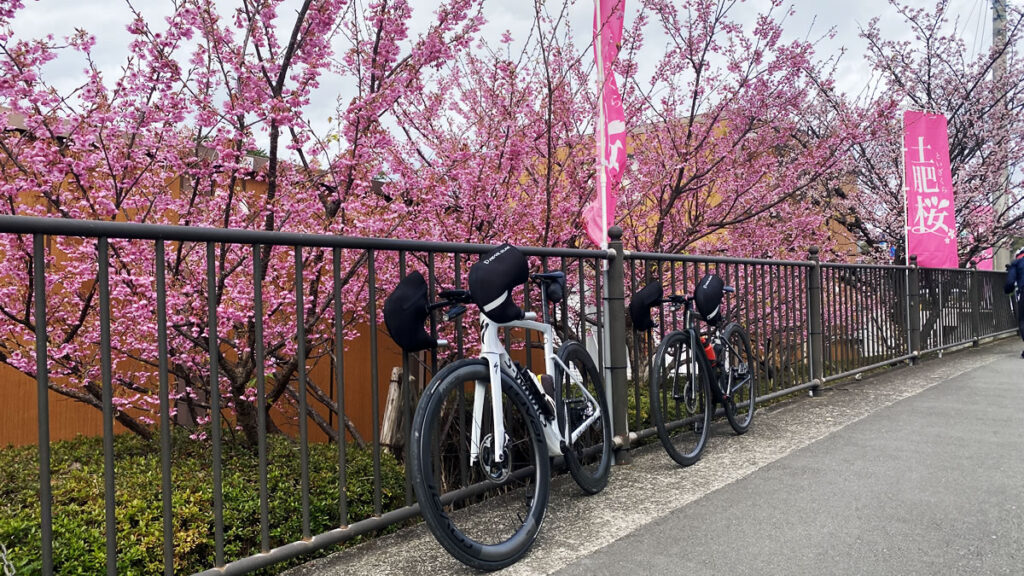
{"x": 79, "y": 541}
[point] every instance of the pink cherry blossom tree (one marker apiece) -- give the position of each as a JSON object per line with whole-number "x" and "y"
{"x": 732, "y": 134}
{"x": 983, "y": 100}
{"x": 169, "y": 141}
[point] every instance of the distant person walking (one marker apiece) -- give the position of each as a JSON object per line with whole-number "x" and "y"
{"x": 1015, "y": 283}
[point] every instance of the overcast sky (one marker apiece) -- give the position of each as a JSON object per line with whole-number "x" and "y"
{"x": 106, "y": 19}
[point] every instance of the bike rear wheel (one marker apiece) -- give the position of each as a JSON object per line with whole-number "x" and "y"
{"x": 681, "y": 404}
{"x": 738, "y": 377}
{"x": 486, "y": 513}
{"x": 580, "y": 396}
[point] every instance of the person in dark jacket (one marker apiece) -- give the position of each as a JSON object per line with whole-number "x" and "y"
{"x": 1015, "y": 283}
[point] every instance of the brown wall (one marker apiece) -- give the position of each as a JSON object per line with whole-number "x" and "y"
{"x": 69, "y": 418}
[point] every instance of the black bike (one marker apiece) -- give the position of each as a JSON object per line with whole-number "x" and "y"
{"x": 693, "y": 371}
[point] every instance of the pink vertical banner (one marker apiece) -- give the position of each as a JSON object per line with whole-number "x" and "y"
{"x": 611, "y": 121}
{"x": 928, "y": 184}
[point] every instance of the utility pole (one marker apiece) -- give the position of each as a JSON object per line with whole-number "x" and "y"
{"x": 1001, "y": 256}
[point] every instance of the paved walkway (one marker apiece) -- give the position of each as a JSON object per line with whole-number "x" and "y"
{"x": 917, "y": 471}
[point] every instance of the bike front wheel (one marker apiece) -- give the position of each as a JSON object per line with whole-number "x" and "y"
{"x": 582, "y": 408}
{"x": 738, "y": 377}
{"x": 486, "y": 511}
{"x": 680, "y": 394}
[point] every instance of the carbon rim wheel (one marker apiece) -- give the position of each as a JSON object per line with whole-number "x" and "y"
{"x": 680, "y": 399}
{"x": 485, "y": 513}
{"x": 581, "y": 399}
{"x": 738, "y": 377}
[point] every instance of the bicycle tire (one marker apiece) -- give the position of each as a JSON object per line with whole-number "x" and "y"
{"x": 486, "y": 519}
{"x": 681, "y": 402}
{"x": 589, "y": 459}
{"x": 739, "y": 377}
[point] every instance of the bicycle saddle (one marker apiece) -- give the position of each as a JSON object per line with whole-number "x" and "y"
{"x": 492, "y": 279}
{"x": 641, "y": 303}
{"x": 405, "y": 311}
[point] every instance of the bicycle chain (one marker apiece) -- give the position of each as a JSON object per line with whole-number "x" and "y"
{"x": 8, "y": 567}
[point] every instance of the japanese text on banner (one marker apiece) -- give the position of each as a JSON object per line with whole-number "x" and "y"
{"x": 931, "y": 219}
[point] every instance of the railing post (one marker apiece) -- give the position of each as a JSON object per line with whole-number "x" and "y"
{"x": 974, "y": 300}
{"x": 914, "y": 308}
{"x": 814, "y": 319}
{"x": 615, "y": 326}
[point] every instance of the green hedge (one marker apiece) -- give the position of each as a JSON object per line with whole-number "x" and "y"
{"x": 79, "y": 542}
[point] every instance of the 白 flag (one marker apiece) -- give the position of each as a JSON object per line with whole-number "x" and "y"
{"x": 611, "y": 121}
{"x": 928, "y": 187}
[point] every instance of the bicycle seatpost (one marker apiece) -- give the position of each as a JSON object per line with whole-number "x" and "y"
{"x": 544, "y": 304}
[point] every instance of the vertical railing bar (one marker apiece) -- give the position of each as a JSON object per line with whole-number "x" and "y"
{"x": 108, "y": 407}
{"x": 942, "y": 320}
{"x": 214, "y": 350}
{"x": 261, "y": 395}
{"x": 460, "y": 333}
{"x": 766, "y": 332}
{"x": 851, "y": 321}
{"x": 371, "y": 282}
{"x": 464, "y": 474}
{"x": 798, "y": 285}
{"x": 796, "y": 318}
{"x": 787, "y": 317}
{"x": 869, "y": 330}
{"x": 876, "y": 316}
{"x": 629, "y": 266}
{"x": 840, "y": 310}
{"x": 165, "y": 408}
{"x": 866, "y": 314}
{"x": 746, "y": 321}
{"x": 672, "y": 289}
{"x": 339, "y": 380}
{"x": 527, "y": 303}
{"x": 796, "y": 280}
{"x": 581, "y": 282}
{"x": 43, "y": 406}
{"x": 300, "y": 340}
{"x": 867, "y": 297}
{"x": 827, "y": 348}
{"x": 564, "y": 304}
{"x": 406, "y": 382}
{"x": 836, "y": 293}
{"x": 858, "y": 318}
{"x": 600, "y": 318}
{"x": 777, "y": 320}
{"x": 431, "y": 290}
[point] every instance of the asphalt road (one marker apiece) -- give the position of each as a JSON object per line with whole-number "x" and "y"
{"x": 916, "y": 471}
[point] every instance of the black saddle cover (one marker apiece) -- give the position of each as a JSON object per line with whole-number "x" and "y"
{"x": 641, "y": 303}
{"x": 405, "y": 311}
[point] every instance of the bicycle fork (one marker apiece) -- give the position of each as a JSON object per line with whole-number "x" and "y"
{"x": 497, "y": 411}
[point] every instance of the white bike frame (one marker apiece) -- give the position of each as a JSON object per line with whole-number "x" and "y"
{"x": 498, "y": 361}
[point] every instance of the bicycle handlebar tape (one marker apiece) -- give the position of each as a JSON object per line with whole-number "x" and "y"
{"x": 405, "y": 311}
{"x": 708, "y": 298}
{"x": 492, "y": 279}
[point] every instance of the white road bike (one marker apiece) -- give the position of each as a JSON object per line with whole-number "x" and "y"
{"x": 486, "y": 428}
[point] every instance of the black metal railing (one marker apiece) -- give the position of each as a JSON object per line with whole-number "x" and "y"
{"x": 362, "y": 272}
{"x": 810, "y": 323}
